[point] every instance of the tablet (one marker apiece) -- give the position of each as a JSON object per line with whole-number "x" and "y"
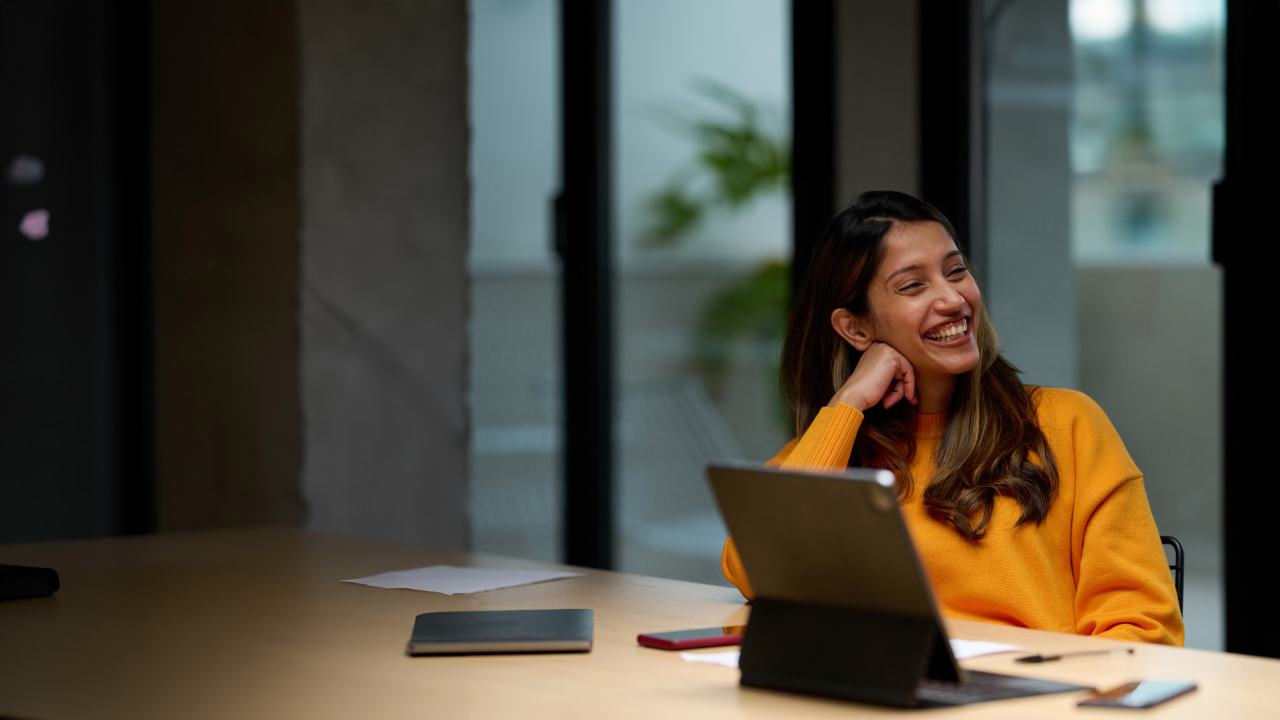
{"x": 842, "y": 604}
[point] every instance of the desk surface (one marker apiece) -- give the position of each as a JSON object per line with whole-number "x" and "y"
{"x": 255, "y": 623}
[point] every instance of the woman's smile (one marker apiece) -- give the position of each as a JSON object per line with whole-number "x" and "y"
{"x": 951, "y": 333}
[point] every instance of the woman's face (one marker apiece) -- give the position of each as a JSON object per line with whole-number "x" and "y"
{"x": 924, "y": 302}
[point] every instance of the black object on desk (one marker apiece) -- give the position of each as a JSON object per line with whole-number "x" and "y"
{"x": 501, "y": 631}
{"x": 18, "y": 581}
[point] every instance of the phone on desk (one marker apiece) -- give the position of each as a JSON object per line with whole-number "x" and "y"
{"x": 1139, "y": 694}
{"x": 690, "y": 639}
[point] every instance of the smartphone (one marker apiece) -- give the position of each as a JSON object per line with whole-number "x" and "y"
{"x": 1139, "y": 694}
{"x": 697, "y": 638}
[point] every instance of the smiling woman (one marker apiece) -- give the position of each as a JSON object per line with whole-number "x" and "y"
{"x": 1023, "y": 501}
{"x": 921, "y": 302}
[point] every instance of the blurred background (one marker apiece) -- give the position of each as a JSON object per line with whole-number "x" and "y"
{"x": 1105, "y": 136}
{"x": 338, "y": 264}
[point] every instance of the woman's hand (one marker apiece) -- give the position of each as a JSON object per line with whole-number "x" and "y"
{"x": 883, "y": 375}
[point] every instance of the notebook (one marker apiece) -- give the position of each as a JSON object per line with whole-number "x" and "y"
{"x": 842, "y": 605}
{"x": 501, "y": 631}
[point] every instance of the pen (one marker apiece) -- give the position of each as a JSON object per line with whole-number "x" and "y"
{"x": 1059, "y": 656}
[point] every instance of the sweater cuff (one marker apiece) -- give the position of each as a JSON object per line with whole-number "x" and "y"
{"x": 828, "y": 442}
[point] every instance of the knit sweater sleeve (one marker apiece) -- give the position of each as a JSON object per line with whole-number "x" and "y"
{"x": 825, "y": 445}
{"x": 1124, "y": 589}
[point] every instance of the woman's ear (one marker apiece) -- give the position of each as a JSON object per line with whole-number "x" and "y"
{"x": 855, "y": 330}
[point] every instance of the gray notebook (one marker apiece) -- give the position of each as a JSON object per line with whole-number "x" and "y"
{"x": 501, "y": 631}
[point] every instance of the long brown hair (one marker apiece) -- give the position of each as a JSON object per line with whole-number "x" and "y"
{"x": 992, "y": 440}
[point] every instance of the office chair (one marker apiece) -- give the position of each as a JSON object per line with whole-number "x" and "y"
{"x": 1177, "y": 565}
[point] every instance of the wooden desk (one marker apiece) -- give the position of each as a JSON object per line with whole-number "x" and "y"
{"x": 254, "y": 623}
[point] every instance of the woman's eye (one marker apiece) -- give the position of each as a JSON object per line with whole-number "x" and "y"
{"x": 958, "y": 271}
{"x": 909, "y": 287}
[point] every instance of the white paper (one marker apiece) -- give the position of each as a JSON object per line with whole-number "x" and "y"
{"x": 727, "y": 658}
{"x": 451, "y": 580}
{"x": 961, "y": 648}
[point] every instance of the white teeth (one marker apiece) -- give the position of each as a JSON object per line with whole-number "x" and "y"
{"x": 951, "y": 331}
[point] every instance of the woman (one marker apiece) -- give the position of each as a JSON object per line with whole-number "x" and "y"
{"x": 1023, "y": 502}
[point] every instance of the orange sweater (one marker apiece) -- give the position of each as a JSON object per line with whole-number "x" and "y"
{"x": 1095, "y": 566}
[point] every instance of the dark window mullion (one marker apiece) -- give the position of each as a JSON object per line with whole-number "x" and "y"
{"x": 584, "y": 241}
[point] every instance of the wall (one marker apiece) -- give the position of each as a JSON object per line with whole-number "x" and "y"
{"x": 226, "y": 221}
{"x": 877, "y": 77}
{"x": 384, "y": 287}
{"x": 1029, "y": 191}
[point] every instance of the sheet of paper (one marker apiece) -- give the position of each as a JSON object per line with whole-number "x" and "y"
{"x": 973, "y": 648}
{"x": 451, "y": 580}
{"x": 727, "y": 658}
{"x": 961, "y": 648}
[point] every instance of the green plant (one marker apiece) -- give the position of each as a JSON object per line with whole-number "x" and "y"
{"x": 751, "y": 308}
{"x": 737, "y": 161}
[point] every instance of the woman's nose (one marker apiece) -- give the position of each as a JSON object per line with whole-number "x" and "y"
{"x": 949, "y": 298}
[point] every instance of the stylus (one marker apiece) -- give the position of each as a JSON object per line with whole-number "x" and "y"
{"x": 1059, "y": 656}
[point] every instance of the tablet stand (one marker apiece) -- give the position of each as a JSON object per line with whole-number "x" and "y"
{"x": 840, "y": 652}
